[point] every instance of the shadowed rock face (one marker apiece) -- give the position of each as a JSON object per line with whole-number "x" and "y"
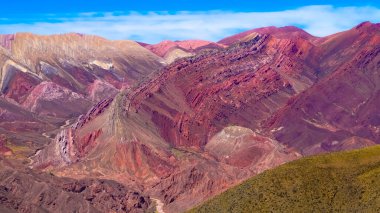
{"x": 207, "y": 122}
{"x": 25, "y": 190}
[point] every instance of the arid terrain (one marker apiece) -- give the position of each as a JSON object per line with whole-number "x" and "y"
{"x": 124, "y": 126}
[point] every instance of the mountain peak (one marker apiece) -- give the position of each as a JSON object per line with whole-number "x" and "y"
{"x": 367, "y": 25}
{"x": 364, "y": 24}
{"x": 279, "y": 32}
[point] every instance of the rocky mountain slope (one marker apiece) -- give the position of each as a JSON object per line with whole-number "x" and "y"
{"x": 46, "y": 80}
{"x": 339, "y": 182}
{"x": 25, "y": 190}
{"x": 339, "y": 112}
{"x": 206, "y": 122}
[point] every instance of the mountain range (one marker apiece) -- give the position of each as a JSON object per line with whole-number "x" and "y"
{"x": 176, "y": 122}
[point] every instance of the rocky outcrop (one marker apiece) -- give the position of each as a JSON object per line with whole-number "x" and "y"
{"x": 193, "y": 184}
{"x": 96, "y": 110}
{"x": 24, "y": 190}
{"x": 66, "y": 147}
{"x": 98, "y": 141}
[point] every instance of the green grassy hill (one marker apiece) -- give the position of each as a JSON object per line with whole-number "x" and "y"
{"x": 338, "y": 182}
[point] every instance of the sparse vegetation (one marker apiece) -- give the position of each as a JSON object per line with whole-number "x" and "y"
{"x": 177, "y": 153}
{"x": 338, "y": 182}
{"x": 18, "y": 150}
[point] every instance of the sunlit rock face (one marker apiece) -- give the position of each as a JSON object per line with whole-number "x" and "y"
{"x": 72, "y": 61}
{"x": 59, "y": 77}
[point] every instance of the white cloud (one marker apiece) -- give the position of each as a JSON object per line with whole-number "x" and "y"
{"x": 153, "y": 27}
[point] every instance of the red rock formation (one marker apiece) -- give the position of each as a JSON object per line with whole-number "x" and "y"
{"x": 56, "y": 78}
{"x": 159, "y": 131}
{"x": 100, "y": 136}
{"x": 343, "y": 105}
{"x": 17, "y": 84}
{"x": 206, "y": 122}
{"x": 205, "y": 93}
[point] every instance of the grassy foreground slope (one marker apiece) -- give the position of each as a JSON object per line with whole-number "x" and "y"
{"x": 337, "y": 182}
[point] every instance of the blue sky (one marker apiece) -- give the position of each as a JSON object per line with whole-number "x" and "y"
{"x": 154, "y": 20}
